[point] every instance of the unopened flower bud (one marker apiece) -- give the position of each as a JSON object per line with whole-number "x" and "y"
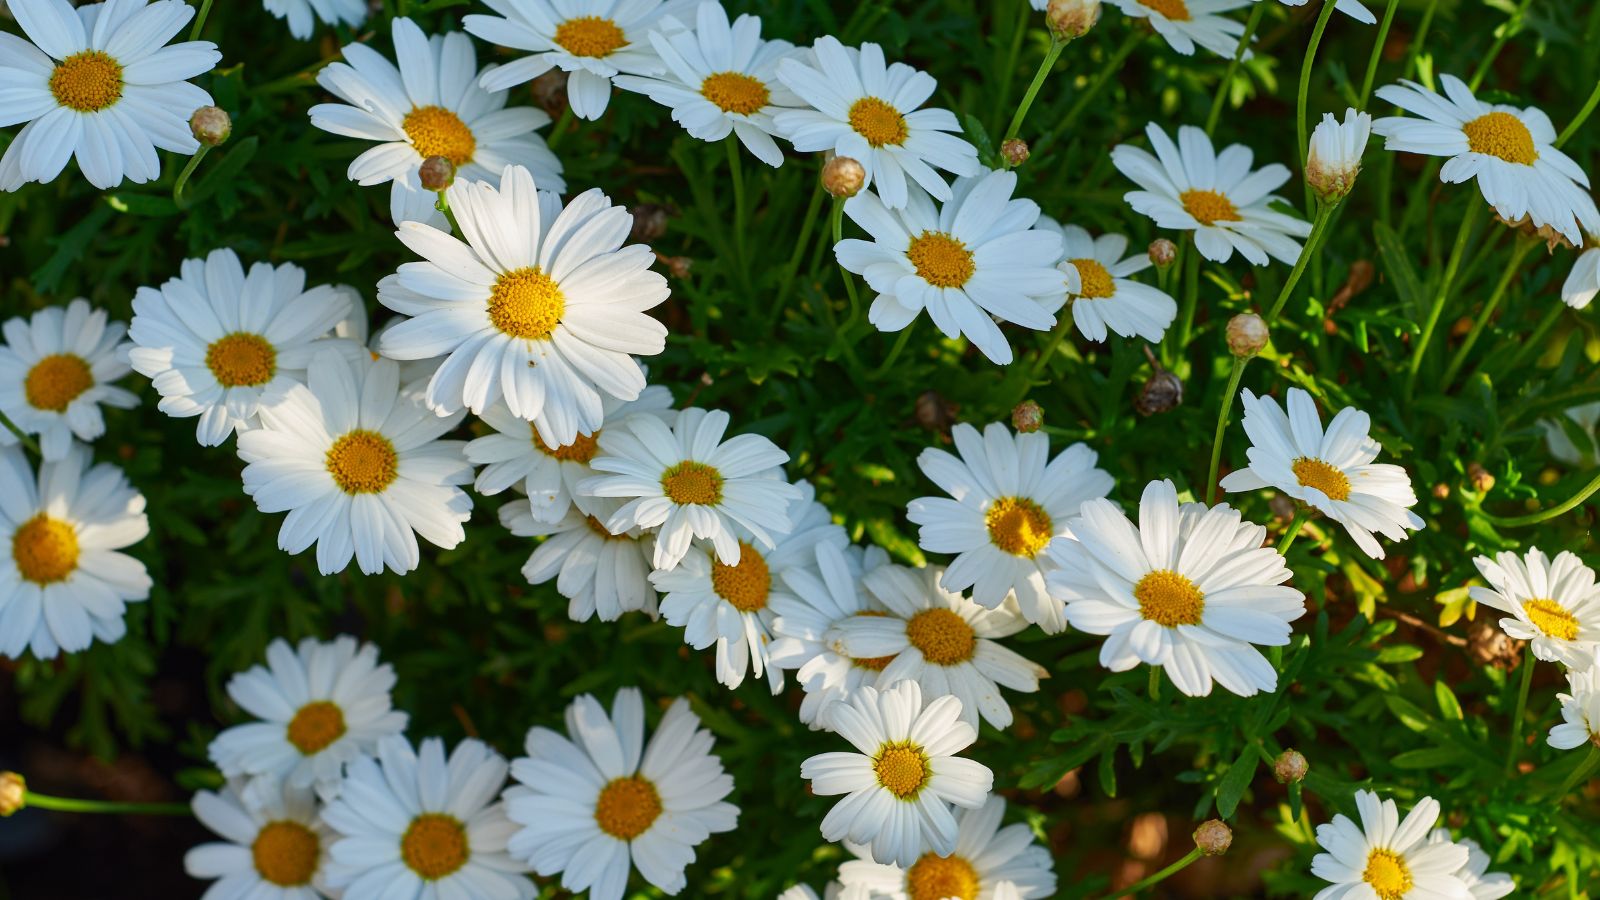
{"x": 13, "y": 793}
{"x": 843, "y": 177}
{"x": 1213, "y": 837}
{"x": 1071, "y": 19}
{"x": 679, "y": 266}
{"x": 1334, "y": 157}
{"x": 550, "y": 92}
{"x": 1290, "y": 767}
{"x": 1163, "y": 252}
{"x": 1027, "y": 417}
{"x": 934, "y": 412}
{"x": 436, "y": 173}
{"x": 210, "y": 125}
{"x": 1247, "y": 334}
{"x": 649, "y": 222}
{"x": 1162, "y": 392}
{"x": 1441, "y": 491}
{"x": 1015, "y": 151}
{"x": 1482, "y": 480}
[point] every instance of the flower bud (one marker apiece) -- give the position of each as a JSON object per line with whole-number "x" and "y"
{"x": 550, "y": 92}
{"x": 1015, "y": 151}
{"x": 649, "y": 222}
{"x": 679, "y": 266}
{"x": 1441, "y": 491}
{"x": 1163, "y": 252}
{"x": 13, "y": 793}
{"x": 1290, "y": 767}
{"x": 1247, "y": 334}
{"x": 1334, "y": 156}
{"x": 1213, "y": 837}
{"x": 1071, "y": 19}
{"x": 843, "y": 177}
{"x": 934, "y": 412}
{"x": 436, "y": 173}
{"x": 1027, "y": 417}
{"x": 1164, "y": 391}
{"x": 1482, "y": 480}
{"x": 210, "y": 125}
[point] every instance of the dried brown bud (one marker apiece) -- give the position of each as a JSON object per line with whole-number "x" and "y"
{"x": 1163, "y": 252}
{"x": 436, "y": 173}
{"x": 1027, "y": 417}
{"x": 550, "y": 92}
{"x": 1015, "y": 151}
{"x": 1247, "y": 334}
{"x": 649, "y": 222}
{"x": 1290, "y": 767}
{"x": 678, "y": 266}
{"x": 1489, "y": 646}
{"x": 1162, "y": 392}
{"x": 13, "y": 793}
{"x": 1071, "y": 19}
{"x": 934, "y": 412}
{"x": 210, "y": 125}
{"x": 1213, "y": 837}
{"x": 843, "y": 177}
{"x": 1441, "y": 491}
{"x": 1282, "y": 506}
{"x": 1482, "y": 481}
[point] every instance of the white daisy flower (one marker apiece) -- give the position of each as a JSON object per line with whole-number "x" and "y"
{"x": 591, "y": 40}
{"x": 690, "y": 483}
{"x": 1580, "y": 711}
{"x": 97, "y": 82}
{"x": 1333, "y": 157}
{"x": 818, "y": 599}
{"x": 430, "y": 105}
{"x": 357, "y": 463}
{"x": 1189, "y": 589}
{"x": 1009, "y": 500}
{"x": 975, "y": 259}
{"x": 989, "y": 861}
{"x": 1388, "y": 858}
{"x": 902, "y": 782}
{"x": 64, "y": 584}
{"x": 320, "y": 705}
{"x": 302, "y": 15}
{"x": 807, "y": 892}
{"x": 1583, "y": 283}
{"x": 274, "y": 850}
{"x": 56, "y": 370}
{"x": 1103, "y": 297}
{"x": 720, "y": 79}
{"x": 1351, "y": 8}
{"x": 516, "y": 455}
{"x": 540, "y": 304}
{"x": 1554, "y": 604}
{"x": 601, "y": 801}
{"x": 214, "y": 340}
{"x": 729, "y": 606}
{"x": 1332, "y": 471}
{"x": 866, "y": 109}
{"x": 1189, "y": 187}
{"x": 941, "y": 640}
{"x": 1482, "y": 884}
{"x": 1185, "y": 23}
{"x": 1583, "y": 421}
{"x": 413, "y": 825}
{"x": 1510, "y": 151}
{"x": 599, "y": 573}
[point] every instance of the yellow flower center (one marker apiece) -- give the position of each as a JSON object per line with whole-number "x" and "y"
{"x": 526, "y": 303}
{"x": 436, "y": 131}
{"x": 1095, "y": 282}
{"x": 735, "y": 92}
{"x": 872, "y": 663}
{"x": 1552, "y": 618}
{"x": 315, "y": 726}
{"x": 691, "y": 482}
{"x": 941, "y": 878}
{"x": 943, "y": 637}
{"x": 1169, "y": 599}
{"x": 363, "y": 462}
{"x": 902, "y": 767}
{"x": 1314, "y": 473}
{"x": 285, "y": 853}
{"x": 594, "y": 36}
{"x": 879, "y": 122}
{"x": 87, "y": 82}
{"x": 1209, "y": 207}
{"x": 1501, "y": 135}
{"x": 242, "y": 359}
{"x": 627, "y": 807}
{"x": 582, "y": 449}
{"x": 744, "y": 585}
{"x": 940, "y": 259}
{"x": 434, "y": 845}
{"x": 1387, "y": 873}
{"x": 1176, "y": 10}
{"x": 56, "y": 381}
{"x": 45, "y": 549}
{"x": 1018, "y": 526}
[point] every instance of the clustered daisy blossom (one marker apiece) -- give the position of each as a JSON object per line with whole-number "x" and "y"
{"x": 1104, "y": 299}
{"x": 988, "y": 861}
{"x": 1387, "y": 857}
{"x": 1554, "y": 604}
{"x": 56, "y": 371}
{"x": 1183, "y": 24}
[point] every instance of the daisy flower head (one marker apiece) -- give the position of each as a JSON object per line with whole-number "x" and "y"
{"x": 1351, "y": 8}
{"x": 303, "y": 15}
{"x": 1104, "y": 299}
{"x": 56, "y": 369}
{"x": 591, "y": 40}
{"x": 941, "y": 640}
{"x": 357, "y": 463}
{"x": 1185, "y": 23}
{"x": 729, "y": 606}
{"x": 687, "y": 482}
{"x": 1331, "y": 471}
{"x": 599, "y": 573}
{"x": 515, "y": 454}
{"x": 1190, "y": 589}
{"x": 866, "y": 109}
{"x": 320, "y": 704}
{"x": 1188, "y": 186}
{"x": 1481, "y": 883}
{"x": 215, "y": 340}
{"x": 99, "y": 83}
{"x": 1007, "y": 500}
{"x": 538, "y": 304}
{"x": 1333, "y": 158}
{"x": 1386, "y": 857}
{"x": 417, "y": 825}
{"x": 904, "y": 777}
{"x": 807, "y": 892}
{"x": 819, "y": 598}
{"x": 988, "y": 861}
{"x": 1510, "y": 151}
{"x": 428, "y": 105}
{"x": 275, "y": 849}
{"x": 721, "y": 78}
{"x": 972, "y": 260}
{"x": 1583, "y": 282}
{"x": 601, "y": 801}
{"x": 65, "y": 584}
{"x": 1554, "y": 604}
{"x": 1580, "y": 711}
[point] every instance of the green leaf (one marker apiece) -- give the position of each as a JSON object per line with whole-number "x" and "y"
{"x": 1397, "y": 266}
{"x": 1449, "y": 706}
{"x": 1233, "y": 785}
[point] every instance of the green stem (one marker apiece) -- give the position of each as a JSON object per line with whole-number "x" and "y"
{"x": 178, "y": 199}
{"x": 22, "y": 436}
{"x": 1547, "y": 514}
{"x": 1235, "y": 374}
{"x": 560, "y": 130}
{"x": 1463, "y": 234}
{"x": 1313, "y": 244}
{"x": 200, "y": 20}
{"x": 740, "y": 213}
{"x": 1583, "y": 116}
{"x": 443, "y": 205}
{"x": 1057, "y": 334}
{"x": 1580, "y": 773}
{"x": 71, "y": 804}
{"x": 1160, "y": 876}
{"x": 1522, "y": 708}
{"x": 894, "y": 352}
{"x": 836, "y": 220}
{"x": 1287, "y": 541}
{"x": 1377, "y": 53}
{"x": 1300, "y": 123}
{"x": 1518, "y": 254}
{"x": 1155, "y": 682}
{"x": 1112, "y": 64}
{"x": 1019, "y": 28}
{"x": 1507, "y": 32}
{"x": 1056, "y": 46}
{"x": 1535, "y": 340}
{"x": 1191, "y": 290}
{"x": 793, "y": 266}
{"x": 1250, "y": 26}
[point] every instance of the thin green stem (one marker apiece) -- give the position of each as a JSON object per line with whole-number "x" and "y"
{"x": 1019, "y": 28}
{"x": 792, "y": 268}
{"x": 1155, "y": 682}
{"x": 1535, "y": 340}
{"x": 1101, "y": 78}
{"x": 561, "y": 129}
{"x": 1287, "y": 541}
{"x": 71, "y": 804}
{"x": 836, "y": 222}
{"x": 1158, "y": 877}
{"x": 894, "y": 351}
{"x": 1056, "y": 46}
{"x": 443, "y": 206}
{"x": 1250, "y": 26}
{"x": 1582, "y": 116}
{"x": 1518, "y": 254}
{"x": 26, "y": 439}
{"x": 1547, "y": 514}
{"x": 1048, "y": 352}
{"x": 1377, "y": 53}
{"x": 1300, "y": 122}
{"x": 1581, "y": 773}
{"x": 200, "y": 20}
{"x": 1191, "y": 290}
{"x": 178, "y": 199}
{"x": 740, "y": 213}
{"x": 1420, "y": 349}
{"x": 1507, "y": 32}
{"x": 1522, "y": 708}
{"x": 1236, "y": 372}
{"x": 1313, "y": 245}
